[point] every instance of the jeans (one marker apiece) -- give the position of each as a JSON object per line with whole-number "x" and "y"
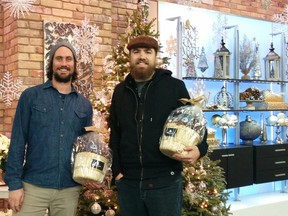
{"x": 134, "y": 201}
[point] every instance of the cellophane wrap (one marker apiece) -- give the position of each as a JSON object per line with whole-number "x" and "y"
{"x": 185, "y": 126}
{"x": 91, "y": 158}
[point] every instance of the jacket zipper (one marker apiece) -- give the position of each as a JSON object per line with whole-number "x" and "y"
{"x": 140, "y": 128}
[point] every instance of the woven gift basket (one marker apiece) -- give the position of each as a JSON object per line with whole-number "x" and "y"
{"x": 185, "y": 126}
{"x": 91, "y": 158}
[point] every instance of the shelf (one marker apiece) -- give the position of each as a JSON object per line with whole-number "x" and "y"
{"x": 243, "y": 110}
{"x": 235, "y": 80}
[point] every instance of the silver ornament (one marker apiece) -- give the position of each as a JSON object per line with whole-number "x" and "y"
{"x": 96, "y": 208}
{"x": 110, "y": 212}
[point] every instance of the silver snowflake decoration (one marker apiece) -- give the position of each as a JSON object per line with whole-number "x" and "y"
{"x": 281, "y": 21}
{"x": 9, "y": 88}
{"x": 86, "y": 41}
{"x": 219, "y": 29}
{"x": 18, "y": 6}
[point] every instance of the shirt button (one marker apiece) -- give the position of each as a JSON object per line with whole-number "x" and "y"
{"x": 172, "y": 173}
{"x": 61, "y": 109}
{"x": 61, "y": 135}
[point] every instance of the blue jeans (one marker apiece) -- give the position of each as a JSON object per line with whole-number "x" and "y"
{"x": 166, "y": 201}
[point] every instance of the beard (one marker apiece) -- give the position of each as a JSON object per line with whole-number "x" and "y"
{"x": 142, "y": 74}
{"x": 62, "y": 79}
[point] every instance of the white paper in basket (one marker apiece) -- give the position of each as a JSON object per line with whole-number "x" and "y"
{"x": 91, "y": 158}
{"x": 185, "y": 126}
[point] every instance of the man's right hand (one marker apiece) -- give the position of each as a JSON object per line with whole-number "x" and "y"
{"x": 119, "y": 176}
{"x": 15, "y": 199}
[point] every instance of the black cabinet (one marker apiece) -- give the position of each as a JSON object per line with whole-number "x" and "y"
{"x": 237, "y": 162}
{"x": 270, "y": 162}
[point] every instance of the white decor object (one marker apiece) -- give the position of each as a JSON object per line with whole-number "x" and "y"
{"x": 18, "y": 6}
{"x": 272, "y": 65}
{"x": 86, "y": 41}
{"x": 222, "y": 62}
{"x": 219, "y": 30}
{"x": 190, "y": 48}
{"x": 9, "y": 88}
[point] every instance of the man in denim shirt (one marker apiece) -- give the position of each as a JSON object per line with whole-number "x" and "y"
{"x": 48, "y": 119}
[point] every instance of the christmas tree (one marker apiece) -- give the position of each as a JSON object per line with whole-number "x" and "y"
{"x": 204, "y": 183}
{"x": 204, "y": 189}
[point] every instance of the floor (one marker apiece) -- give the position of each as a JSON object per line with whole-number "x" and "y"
{"x": 264, "y": 204}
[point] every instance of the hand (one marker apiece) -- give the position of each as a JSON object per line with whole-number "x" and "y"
{"x": 94, "y": 185}
{"x": 119, "y": 176}
{"x": 15, "y": 199}
{"x": 191, "y": 155}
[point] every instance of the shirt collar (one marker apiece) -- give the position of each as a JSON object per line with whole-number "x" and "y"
{"x": 48, "y": 84}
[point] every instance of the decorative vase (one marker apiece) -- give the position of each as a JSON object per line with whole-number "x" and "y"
{"x": 245, "y": 71}
{"x": 278, "y": 138}
{"x": 224, "y": 142}
{"x": 249, "y": 130}
{"x": 263, "y": 137}
{"x": 249, "y": 105}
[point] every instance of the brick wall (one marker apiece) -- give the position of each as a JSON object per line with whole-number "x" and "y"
{"x": 21, "y": 40}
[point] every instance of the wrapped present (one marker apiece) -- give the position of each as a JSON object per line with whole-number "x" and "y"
{"x": 91, "y": 158}
{"x": 185, "y": 126}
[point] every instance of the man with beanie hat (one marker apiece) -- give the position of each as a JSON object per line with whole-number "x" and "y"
{"x": 148, "y": 182}
{"x": 48, "y": 118}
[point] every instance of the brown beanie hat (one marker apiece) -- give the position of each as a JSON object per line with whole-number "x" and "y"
{"x": 60, "y": 44}
{"x": 143, "y": 41}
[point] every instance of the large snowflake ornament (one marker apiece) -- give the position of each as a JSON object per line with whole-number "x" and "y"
{"x": 86, "y": 41}
{"x": 9, "y": 88}
{"x": 18, "y": 6}
{"x": 219, "y": 29}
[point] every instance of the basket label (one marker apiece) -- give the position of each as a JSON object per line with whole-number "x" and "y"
{"x": 97, "y": 164}
{"x": 171, "y": 132}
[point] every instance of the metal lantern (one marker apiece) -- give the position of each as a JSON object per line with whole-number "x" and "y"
{"x": 222, "y": 62}
{"x": 272, "y": 65}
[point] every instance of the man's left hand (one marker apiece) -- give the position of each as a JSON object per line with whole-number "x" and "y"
{"x": 190, "y": 155}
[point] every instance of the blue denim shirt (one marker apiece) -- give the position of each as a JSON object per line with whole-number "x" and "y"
{"x": 45, "y": 126}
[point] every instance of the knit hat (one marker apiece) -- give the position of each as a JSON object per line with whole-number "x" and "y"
{"x": 143, "y": 41}
{"x": 60, "y": 44}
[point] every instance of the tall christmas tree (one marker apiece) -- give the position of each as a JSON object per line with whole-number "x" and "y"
{"x": 204, "y": 183}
